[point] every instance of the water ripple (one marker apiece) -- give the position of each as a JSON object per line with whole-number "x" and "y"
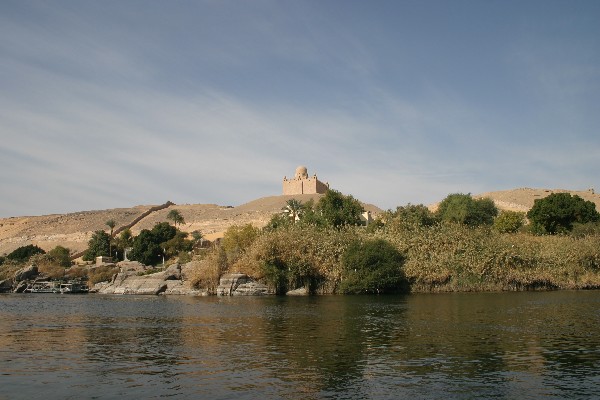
{"x": 503, "y": 345}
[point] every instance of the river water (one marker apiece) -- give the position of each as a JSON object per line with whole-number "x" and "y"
{"x": 424, "y": 346}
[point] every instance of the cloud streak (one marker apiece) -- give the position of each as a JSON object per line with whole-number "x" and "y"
{"x": 113, "y": 108}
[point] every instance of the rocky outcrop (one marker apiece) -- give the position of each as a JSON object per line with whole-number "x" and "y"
{"x": 183, "y": 288}
{"x": 26, "y": 273}
{"x": 129, "y": 283}
{"x": 21, "y": 286}
{"x": 241, "y": 285}
{"x": 131, "y": 280}
{"x": 6, "y": 285}
{"x": 131, "y": 266}
{"x": 303, "y": 291}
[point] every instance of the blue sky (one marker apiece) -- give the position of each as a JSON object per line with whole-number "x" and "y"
{"x": 108, "y": 104}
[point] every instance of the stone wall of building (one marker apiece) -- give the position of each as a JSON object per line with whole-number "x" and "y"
{"x": 303, "y": 184}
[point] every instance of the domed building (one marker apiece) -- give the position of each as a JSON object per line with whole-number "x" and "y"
{"x": 303, "y": 184}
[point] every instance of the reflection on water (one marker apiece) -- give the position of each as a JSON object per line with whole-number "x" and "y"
{"x": 504, "y": 345}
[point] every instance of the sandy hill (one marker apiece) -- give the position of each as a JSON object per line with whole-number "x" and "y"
{"x": 75, "y": 229}
{"x": 522, "y": 199}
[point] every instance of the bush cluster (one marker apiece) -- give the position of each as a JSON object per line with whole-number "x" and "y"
{"x": 464, "y": 246}
{"x": 297, "y": 256}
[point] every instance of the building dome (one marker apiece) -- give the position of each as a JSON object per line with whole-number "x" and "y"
{"x": 301, "y": 173}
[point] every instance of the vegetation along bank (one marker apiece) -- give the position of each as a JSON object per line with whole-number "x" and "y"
{"x": 322, "y": 248}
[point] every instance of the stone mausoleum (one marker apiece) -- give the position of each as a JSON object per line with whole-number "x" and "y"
{"x": 303, "y": 184}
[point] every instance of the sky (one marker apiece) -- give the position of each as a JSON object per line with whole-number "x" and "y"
{"x": 109, "y": 104}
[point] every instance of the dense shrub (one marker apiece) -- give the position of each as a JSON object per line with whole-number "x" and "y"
{"x": 53, "y": 264}
{"x": 76, "y": 272}
{"x": 509, "y": 221}
{"x": 453, "y": 257}
{"x": 178, "y": 244}
{"x": 558, "y": 212}
{"x": 150, "y": 246}
{"x": 408, "y": 216}
{"x": 467, "y": 256}
{"x": 98, "y": 245}
{"x": 23, "y": 253}
{"x": 373, "y": 266}
{"x": 60, "y": 256}
{"x": 102, "y": 274}
{"x": 297, "y": 256}
{"x": 237, "y": 239}
{"x": 146, "y": 248}
{"x": 337, "y": 209}
{"x": 278, "y": 221}
{"x": 463, "y": 209}
{"x": 163, "y": 232}
{"x": 587, "y": 229}
{"x": 205, "y": 273}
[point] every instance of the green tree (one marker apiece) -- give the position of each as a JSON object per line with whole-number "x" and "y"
{"x": 176, "y": 217}
{"x": 237, "y": 239}
{"x": 163, "y": 232}
{"x": 98, "y": 245}
{"x": 293, "y": 209}
{"x": 123, "y": 241}
{"x": 150, "y": 245}
{"x": 463, "y": 209}
{"x": 177, "y": 244}
{"x": 374, "y": 266}
{"x": 146, "y": 249}
{"x": 111, "y": 224}
{"x": 126, "y": 237}
{"x": 409, "y": 215}
{"x": 197, "y": 235}
{"x": 509, "y": 221}
{"x": 558, "y": 212}
{"x": 60, "y": 256}
{"x": 338, "y": 210}
{"x": 24, "y": 253}
{"x": 277, "y": 221}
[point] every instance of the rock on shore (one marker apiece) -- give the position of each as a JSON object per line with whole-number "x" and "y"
{"x": 130, "y": 281}
{"x": 240, "y": 285}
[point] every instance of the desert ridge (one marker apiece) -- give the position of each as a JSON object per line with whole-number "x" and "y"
{"x": 73, "y": 230}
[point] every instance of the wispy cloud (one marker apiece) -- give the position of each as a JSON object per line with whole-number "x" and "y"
{"x": 109, "y": 107}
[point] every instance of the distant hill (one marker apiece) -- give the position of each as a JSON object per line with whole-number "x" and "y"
{"x": 75, "y": 229}
{"x": 522, "y": 199}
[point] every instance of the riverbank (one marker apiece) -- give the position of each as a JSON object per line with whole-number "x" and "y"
{"x": 302, "y": 259}
{"x": 439, "y": 258}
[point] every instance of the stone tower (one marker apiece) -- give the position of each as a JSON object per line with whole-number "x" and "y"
{"x": 303, "y": 184}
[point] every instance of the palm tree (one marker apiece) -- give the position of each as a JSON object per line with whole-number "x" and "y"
{"x": 176, "y": 217}
{"x": 198, "y": 237}
{"x": 294, "y": 209}
{"x": 111, "y": 224}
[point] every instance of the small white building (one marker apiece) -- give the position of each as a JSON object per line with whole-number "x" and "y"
{"x": 103, "y": 260}
{"x": 366, "y": 218}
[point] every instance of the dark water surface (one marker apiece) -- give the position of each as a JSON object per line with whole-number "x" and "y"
{"x": 469, "y": 345}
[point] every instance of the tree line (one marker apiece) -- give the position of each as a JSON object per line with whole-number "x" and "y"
{"x": 321, "y": 246}
{"x": 149, "y": 247}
